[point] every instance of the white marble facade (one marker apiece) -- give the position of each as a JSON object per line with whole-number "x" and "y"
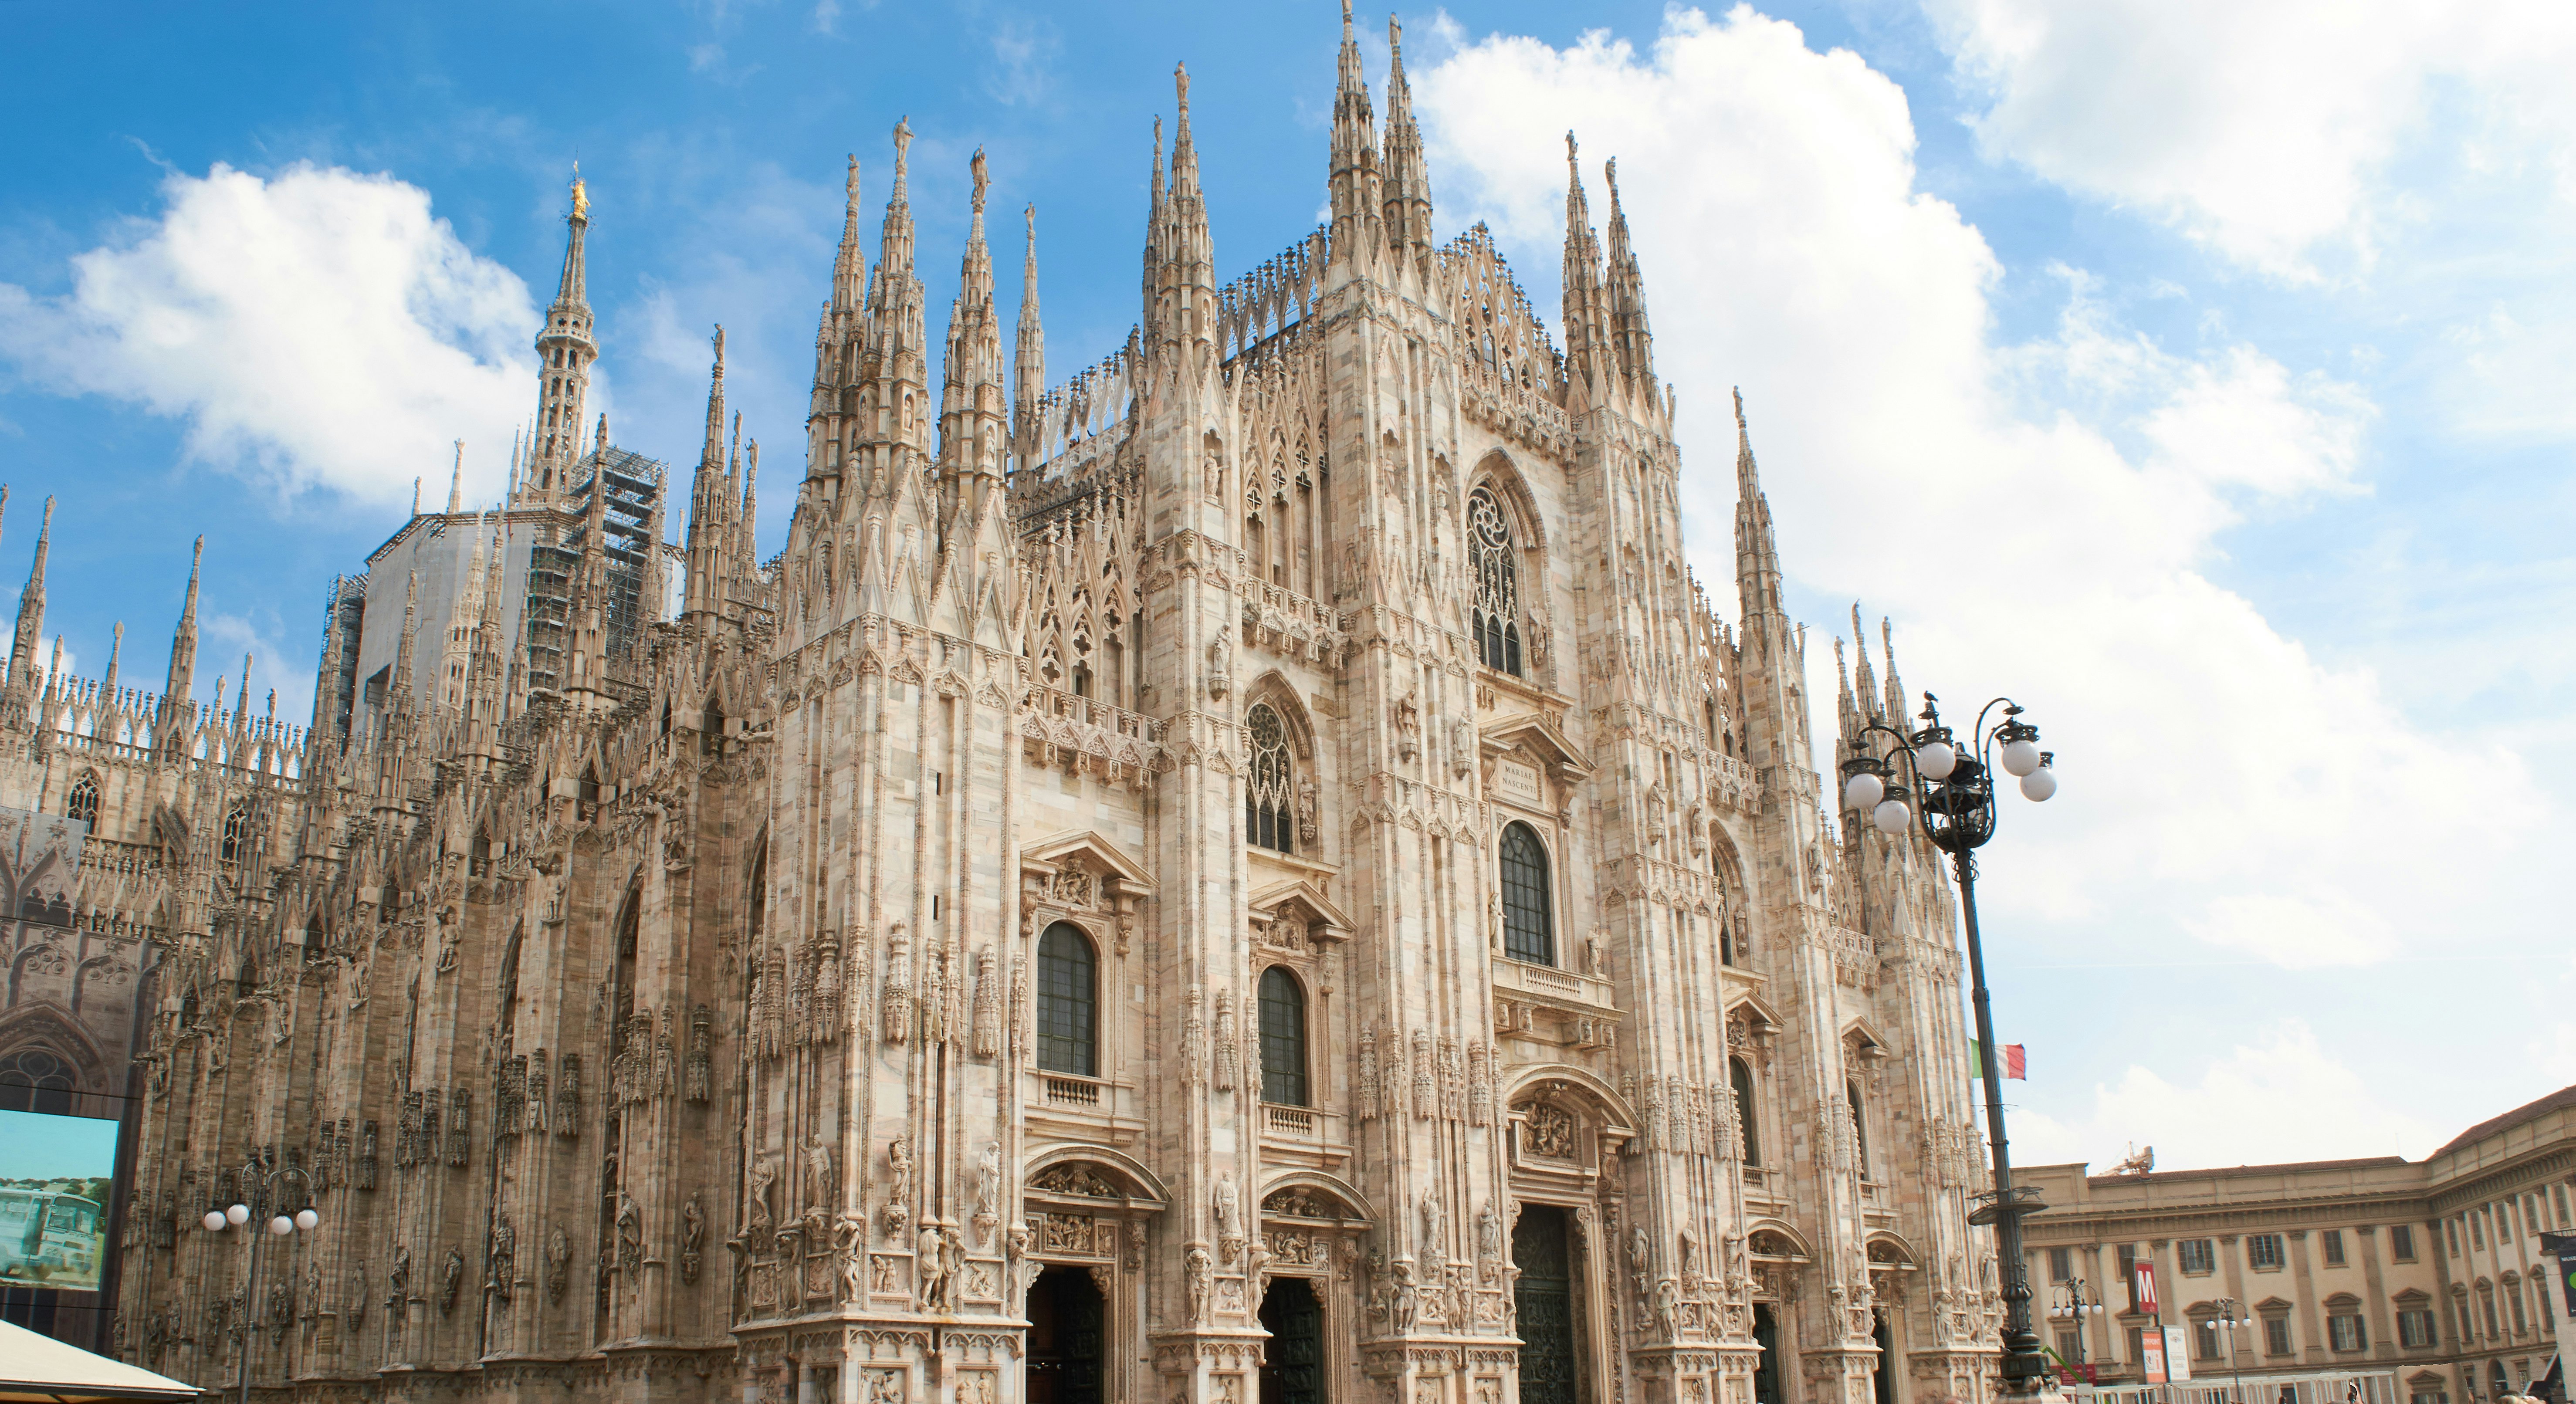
{"x": 1258, "y": 852}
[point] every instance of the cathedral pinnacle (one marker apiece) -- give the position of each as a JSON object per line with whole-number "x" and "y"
{"x": 1406, "y": 176}
{"x": 850, "y": 266}
{"x": 1029, "y": 367}
{"x": 456, "y": 482}
{"x": 31, "y": 603}
{"x": 1757, "y": 554}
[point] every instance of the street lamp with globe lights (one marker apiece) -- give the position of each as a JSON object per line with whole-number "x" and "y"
{"x": 2230, "y": 1317}
{"x": 303, "y": 1220}
{"x": 2076, "y": 1305}
{"x": 1953, "y": 786}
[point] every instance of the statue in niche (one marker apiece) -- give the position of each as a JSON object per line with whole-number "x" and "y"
{"x": 762, "y": 1210}
{"x": 1435, "y": 1217}
{"x": 693, "y": 1235}
{"x": 1220, "y": 662}
{"x": 821, "y": 1190}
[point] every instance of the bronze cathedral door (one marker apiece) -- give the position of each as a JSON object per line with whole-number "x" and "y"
{"x": 1550, "y": 1356}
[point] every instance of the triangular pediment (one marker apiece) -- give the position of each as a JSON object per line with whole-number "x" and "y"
{"x": 1541, "y": 737}
{"x": 1103, "y": 856}
{"x": 1299, "y": 899}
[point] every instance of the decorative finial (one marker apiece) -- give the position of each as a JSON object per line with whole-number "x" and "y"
{"x": 983, "y": 182}
{"x": 1031, "y": 214}
{"x": 851, "y": 183}
{"x": 719, "y": 344}
{"x": 1181, "y": 81}
{"x": 1395, "y": 36}
{"x": 1739, "y": 420}
{"x": 580, "y": 196}
{"x": 902, "y": 143}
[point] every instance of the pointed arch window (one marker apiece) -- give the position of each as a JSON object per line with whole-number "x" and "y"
{"x": 1494, "y": 617}
{"x": 1270, "y": 799}
{"x": 1740, "y": 1077}
{"x": 82, "y": 802}
{"x": 1068, "y": 1002}
{"x": 34, "y": 1079}
{"x": 1283, "y": 1038}
{"x": 1529, "y": 919}
{"x": 236, "y": 834}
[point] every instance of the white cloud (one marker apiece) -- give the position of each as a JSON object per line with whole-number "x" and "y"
{"x": 1024, "y": 51}
{"x": 2280, "y": 1098}
{"x": 317, "y": 328}
{"x": 2266, "y": 130}
{"x": 2039, "y": 517}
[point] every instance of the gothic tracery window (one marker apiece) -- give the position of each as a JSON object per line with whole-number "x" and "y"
{"x": 1529, "y": 925}
{"x": 236, "y": 833}
{"x": 82, "y": 802}
{"x": 1495, "y": 615}
{"x": 1068, "y": 1002}
{"x": 1270, "y": 797}
{"x": 33, "y": 1079}
{"x": 1283, "y": 1038}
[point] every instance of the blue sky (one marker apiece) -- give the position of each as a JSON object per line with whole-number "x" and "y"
{"x": 2192, "y": 370}
{"x": 36, "y": 1146}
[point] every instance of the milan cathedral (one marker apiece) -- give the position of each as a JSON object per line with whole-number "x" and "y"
{"x": 1252, "y": 872}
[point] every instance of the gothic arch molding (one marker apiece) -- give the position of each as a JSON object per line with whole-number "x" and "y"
{"x": 1150, "y": 1186}
{"x": 1613, "y": 1108}
{"x": 1272, "y": 687}
{"x": 1498, "y": 470}
{"x": 1338, "y": 1188}
{"x": 46, "y": 1026}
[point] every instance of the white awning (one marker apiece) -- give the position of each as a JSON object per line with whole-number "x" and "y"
{"x": 41, "y": 1370}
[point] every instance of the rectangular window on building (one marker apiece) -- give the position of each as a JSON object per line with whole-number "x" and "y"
{"x": 2477, "y": 1230}
{"x": 2061, "y": 1265}
{"x": 2521, "y": 1318}
{"x": 2205, "y": 1342}
{"x": 2451, "y": 1226}
{"x": 2344, "y": 1332}
{"x": 2401, "y": 1242}
{"x": 2558, "y": 1197}
{"x": 2276, "y": 1335}
{"x": 2069, "y": 1346}
{"x": 2531, "y": 1213}
{"x": 2263, "y": 1250}
{"x": 2468, "y": 1325}
{"x": 2415, "y": 1329}
{"x": 2503, "y": 1222}
{"x": 2332, "y": 1242}
{"x": 2422, "y": 1396}
{"x": 2195, "y": 1255}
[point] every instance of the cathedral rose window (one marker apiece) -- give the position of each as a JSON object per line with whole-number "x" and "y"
{"x": 1495, "y": 617}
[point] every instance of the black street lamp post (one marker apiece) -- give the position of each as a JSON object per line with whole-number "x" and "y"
{"x": 2230, "y": 1317}
{"x": 2075, "y": 1308}
{"x": 303, "y": 1220}
{"x": 1957, "y": 813}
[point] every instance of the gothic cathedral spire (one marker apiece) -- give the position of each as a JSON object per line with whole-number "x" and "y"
{"x": 565, "y": 350}
{"x": 1407, "y": 177}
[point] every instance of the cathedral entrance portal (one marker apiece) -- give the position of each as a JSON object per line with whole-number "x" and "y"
{"x": 1292, "y": 1365}
{"x": 1545, "y": 1299}
{"x": 1065, "y": 1338}
{"x": 1766, "y": 1372}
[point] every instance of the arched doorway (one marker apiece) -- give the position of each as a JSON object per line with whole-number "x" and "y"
{"x": 1886, "y": 1372}
{"x": 1064, "y": 1338}
{"x": 1766, "y": 1370}
{"x": 1292, "y": 1365}
{"x": 1551, "y": 1351}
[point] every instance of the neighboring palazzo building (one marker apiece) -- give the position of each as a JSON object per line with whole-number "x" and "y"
{"x": 2416, "y": 1282}
{"x": 1252, "y": 872}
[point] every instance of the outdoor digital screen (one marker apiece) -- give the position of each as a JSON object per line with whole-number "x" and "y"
{"x": 54, "y": 1177}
